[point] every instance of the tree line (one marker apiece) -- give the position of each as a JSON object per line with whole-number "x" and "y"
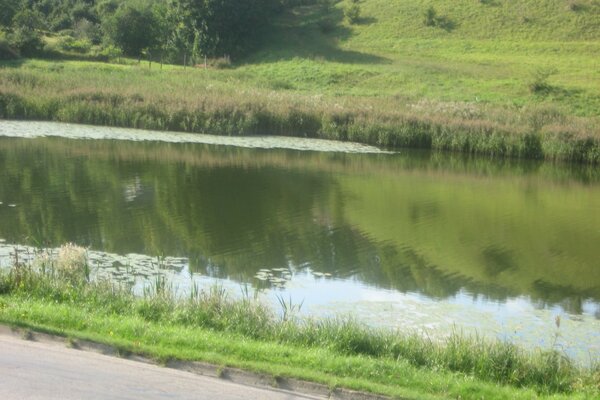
{"x": 165, "y": 29}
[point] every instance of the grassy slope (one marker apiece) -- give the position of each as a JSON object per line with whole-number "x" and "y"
{"x": 490, "y": 54}
{"x": 388, "y": 80}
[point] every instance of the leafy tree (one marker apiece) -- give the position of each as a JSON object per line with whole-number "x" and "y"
{"x": 25, "y": 36}
{"x": 8, "y": 9}
{"x": 226, "y": 26}
{"x": 28, "y": 19}
{"x": 133, "y": 29}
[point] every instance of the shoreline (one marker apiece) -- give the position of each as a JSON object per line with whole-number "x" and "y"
{"x": 161, "y": 101}
{"x": 244, "y": 334}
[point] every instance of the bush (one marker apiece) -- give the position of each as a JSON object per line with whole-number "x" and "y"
{"x": 27, "y": 42}
{"x": 352, "y": 13}
{"x": 430, "y": 17}
{"x": 539, "y": 82}
{"x": 68, "y": 43}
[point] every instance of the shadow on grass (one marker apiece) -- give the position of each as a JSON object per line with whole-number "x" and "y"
{"x": 312, "y": 32}
{"x": 16, "y": 63}
{"x": 493, "y": 3}
{"x": 366, "y": 21}
{"x": 557, "y": 92}
{"x": 445, "y": 23}
{"x": 50, "y": 56}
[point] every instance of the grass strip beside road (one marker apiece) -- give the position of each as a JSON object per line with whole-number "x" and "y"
{"x": 165, "y": 342}
{"x": 243, "y": 333}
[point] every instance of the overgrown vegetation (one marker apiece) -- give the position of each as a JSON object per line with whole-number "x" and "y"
{"x": 319, "y": 69}
{"x": 167, "y": 29}
{"x": 54, "y": 294}
{"x": 181, "y": 100}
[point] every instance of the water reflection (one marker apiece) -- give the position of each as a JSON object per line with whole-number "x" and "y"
{"x": 437, "y": 227}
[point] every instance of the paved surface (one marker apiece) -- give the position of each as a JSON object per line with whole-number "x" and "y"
{"x": 32, "y": 370}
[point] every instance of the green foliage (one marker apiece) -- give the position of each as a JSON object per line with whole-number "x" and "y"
{"x": 539, "y": 81}
{"x": 26, "y": 41}
{"x": 70, "y": 44}
{"x": 430, "y": 16}
{"x": 84, "y": 29}
{"x": 133, "y": 29}
{"x": 27, "y": 19}
{"x": 215, "y": 28}
{"x": 8, "y": 9}
{"x": 352, "y": 13}
{"x": 225, "y": 27}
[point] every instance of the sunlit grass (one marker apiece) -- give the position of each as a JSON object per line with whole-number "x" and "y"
{"x": 212, "y": 326}
{"x": 218, "y": 102}
{"x": 388, "y": 80}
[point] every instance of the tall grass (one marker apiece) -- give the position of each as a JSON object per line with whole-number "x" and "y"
{"x": 546, "y": 371}
{"x": 538, "y": 133}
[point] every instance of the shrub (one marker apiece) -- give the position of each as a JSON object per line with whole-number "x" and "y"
{"x": 68, "y": 43}
{"x": 352, "y": 13}
{"x": 539, "y": 82}
{"x": 27, "y": 42}
{"x": 430, "y": 16}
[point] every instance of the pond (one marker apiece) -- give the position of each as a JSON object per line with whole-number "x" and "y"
{"x": 410, "y": 240}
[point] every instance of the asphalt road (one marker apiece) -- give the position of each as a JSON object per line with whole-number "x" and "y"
{"x": 32, "y": 370}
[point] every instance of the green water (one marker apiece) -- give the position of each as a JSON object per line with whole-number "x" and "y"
{"x": 433, "y": 240}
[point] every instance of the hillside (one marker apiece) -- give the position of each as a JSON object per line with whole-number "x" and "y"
{"x": 500, "y": 78}
{"x": 489, "y": 50}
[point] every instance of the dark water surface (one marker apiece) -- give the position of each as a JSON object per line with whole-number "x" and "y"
{"x": 433, "y": 242}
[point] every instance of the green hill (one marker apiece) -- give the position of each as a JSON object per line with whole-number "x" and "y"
{"x": 494, "y": 77}
{"x": 483, "y": 51}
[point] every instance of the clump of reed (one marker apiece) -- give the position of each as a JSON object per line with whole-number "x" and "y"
{"x": 184, "y": 102}
{"x": 547, "y": 371}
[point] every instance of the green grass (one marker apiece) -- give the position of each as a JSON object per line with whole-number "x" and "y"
{"x": 387, "y": 80}
{"x": 210, "y": 326}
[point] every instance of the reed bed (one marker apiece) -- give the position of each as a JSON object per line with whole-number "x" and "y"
{"x": 190, "y": 102}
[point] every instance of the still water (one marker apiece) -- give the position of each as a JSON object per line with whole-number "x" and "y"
{"x": 409, "y": 240}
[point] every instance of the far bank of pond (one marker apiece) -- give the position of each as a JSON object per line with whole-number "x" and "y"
{"x": 186, "y": 101}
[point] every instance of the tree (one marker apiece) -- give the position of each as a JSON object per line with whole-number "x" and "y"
{"x": 226, "y": 27}
{"x": 133, "y": 29}
{"x": 25, "y": 36}
{"x": 8, "y": 9}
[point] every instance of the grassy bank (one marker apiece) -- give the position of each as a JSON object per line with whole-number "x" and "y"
{"x": 56, "y": 297}
{"x": 219, "y": 102}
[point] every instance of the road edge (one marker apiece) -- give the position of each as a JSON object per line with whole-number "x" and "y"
{"x": 235, "y": 375}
